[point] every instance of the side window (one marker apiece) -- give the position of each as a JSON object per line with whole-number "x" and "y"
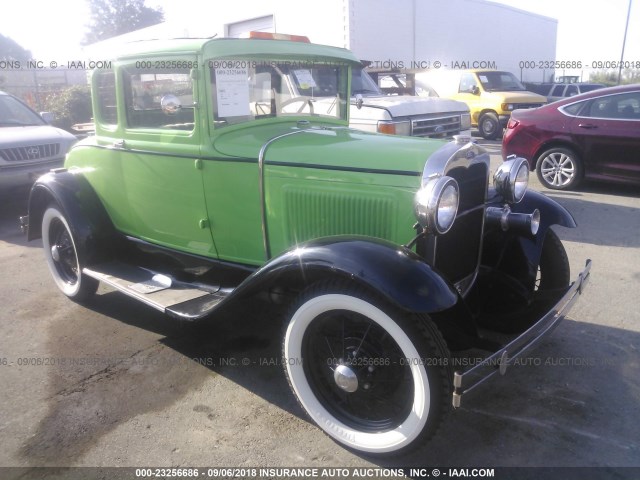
{"x": 106, "y": 95}
{"x": 467, "y": 82}
{"x": 623, "y": 107}
{"x": 571, "y": 91}
{"x": 147, "y": 90}
{"x": 629, "y": 106}
{"x": 557, "y": 91}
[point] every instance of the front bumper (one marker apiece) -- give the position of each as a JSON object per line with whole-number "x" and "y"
{"x": 465, "y": 381}
{"x": 23, "y": 174}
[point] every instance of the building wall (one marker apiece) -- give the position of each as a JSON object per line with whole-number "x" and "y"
{"x": 453, "y": 32}
{"x": 411, "y": 33}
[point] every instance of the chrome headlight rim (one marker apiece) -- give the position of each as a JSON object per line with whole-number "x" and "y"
{"x": 432, "y": 214}
{"x": 511, "y": 180}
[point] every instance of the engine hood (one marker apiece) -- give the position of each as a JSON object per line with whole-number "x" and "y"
{"x": 338, "y": 148}
{"x": 11, "y": 137}
{"x": 405, "y": 106}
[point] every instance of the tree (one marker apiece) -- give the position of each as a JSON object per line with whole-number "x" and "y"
{"x": 70, "y": 106}
{"x": 11, "y": 50}
{"x": 610, "y": 77}
{"x": 110, "y": 18}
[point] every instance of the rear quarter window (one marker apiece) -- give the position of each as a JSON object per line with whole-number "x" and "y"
{"x": 105, "y": 88}
{"x": 574, "y": 109}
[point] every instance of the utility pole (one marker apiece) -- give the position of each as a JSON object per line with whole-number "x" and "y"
{"x": 624, "y": 41}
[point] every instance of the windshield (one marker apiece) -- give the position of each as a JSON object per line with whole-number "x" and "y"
{"x": 15, "y": 113}
{"x": 362, "y": 83}
{"x": 245, "y": 90}
{"x": 499, "y": 82}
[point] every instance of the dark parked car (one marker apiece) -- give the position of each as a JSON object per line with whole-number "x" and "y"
{"x": 594, "y": 135}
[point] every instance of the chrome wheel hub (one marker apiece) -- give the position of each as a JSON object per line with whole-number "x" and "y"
{"x": 345, "y": 378}
{"x": 557, "y": 169}
{"x": 55, "y": 254}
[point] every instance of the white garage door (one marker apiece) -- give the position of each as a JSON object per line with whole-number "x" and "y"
{"x": 240, "y": 29}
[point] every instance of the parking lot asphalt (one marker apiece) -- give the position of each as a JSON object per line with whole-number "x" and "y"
{"x": 115, "y": 383}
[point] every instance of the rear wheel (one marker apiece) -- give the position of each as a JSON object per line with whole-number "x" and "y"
{"x": 62, "y": 256}
{"x": 375, "y": 379}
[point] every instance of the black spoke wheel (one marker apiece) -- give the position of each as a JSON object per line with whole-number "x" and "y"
{"x": 552, "y": 280}
{"x": 62, "y": 256}
{"x": 375, "y": 391}
{"x": 376, "y": 379}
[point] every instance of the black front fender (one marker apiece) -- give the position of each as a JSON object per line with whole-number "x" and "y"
{"x": 395, "y": 272}
{"x": 523, "y": 251}
{"x": 551, "y": 212}
{"x": 90, "y": 225}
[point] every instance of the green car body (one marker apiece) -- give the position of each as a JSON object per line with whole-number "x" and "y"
{"x": 205, "y": 182}
{"x": 210, "y": 175}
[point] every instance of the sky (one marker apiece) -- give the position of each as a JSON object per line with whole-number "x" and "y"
{"x": 587, "y": 29}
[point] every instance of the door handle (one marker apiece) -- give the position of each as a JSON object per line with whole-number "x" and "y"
{"x": 588, "y": 126}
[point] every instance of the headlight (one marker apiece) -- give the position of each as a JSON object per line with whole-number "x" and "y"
{"x": 511, "y": 179}
{"x": 507, "y": 107}
{"x": 394, "y": 128}
{"x": 436, "y": 204}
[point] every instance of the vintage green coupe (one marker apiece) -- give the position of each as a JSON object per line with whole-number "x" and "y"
{"x": 206, "y": 181}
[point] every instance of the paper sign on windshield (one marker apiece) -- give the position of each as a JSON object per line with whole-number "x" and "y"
{"x": 305, "y": 79}
{"x": 232, "y": 89}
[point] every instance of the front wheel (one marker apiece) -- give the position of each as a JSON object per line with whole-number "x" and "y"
{"x": 489, "y": 126}
{"x": 552, "y": 281}
{"x": 559, "y": 169}
{"x": 62, "y": 256}
{"x": 374, "y": 379}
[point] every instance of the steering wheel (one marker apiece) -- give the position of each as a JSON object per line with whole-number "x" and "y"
{"x": 305, "y": 101}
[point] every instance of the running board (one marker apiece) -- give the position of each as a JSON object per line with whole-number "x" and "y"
{"x": 182, "y": 300}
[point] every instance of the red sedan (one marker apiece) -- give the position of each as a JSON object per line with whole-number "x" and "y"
{"x": 594, "y": 135}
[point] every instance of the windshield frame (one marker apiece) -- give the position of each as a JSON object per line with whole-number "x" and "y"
{"x": 275, "y": 89}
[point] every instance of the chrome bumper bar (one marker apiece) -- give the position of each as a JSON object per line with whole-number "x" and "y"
{"x": 465, "y": 381}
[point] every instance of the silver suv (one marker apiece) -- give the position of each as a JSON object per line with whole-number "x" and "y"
{"x": 29, "y": 146}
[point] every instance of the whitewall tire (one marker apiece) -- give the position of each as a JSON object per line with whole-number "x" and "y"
{"x": 374, "y": 383}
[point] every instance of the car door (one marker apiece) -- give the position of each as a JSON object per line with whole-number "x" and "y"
{"x": 608, "y": 133}
{"x": 160, "y": 156}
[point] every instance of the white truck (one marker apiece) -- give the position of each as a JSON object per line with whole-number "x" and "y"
{"x": 374, "y": 111}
